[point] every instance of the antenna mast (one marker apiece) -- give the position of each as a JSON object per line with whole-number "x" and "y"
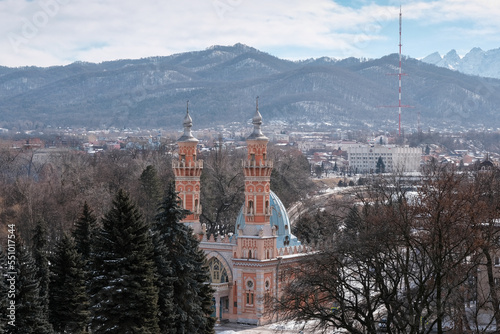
{"x": 399, "y": 74}
{"x": 399, "y": 106}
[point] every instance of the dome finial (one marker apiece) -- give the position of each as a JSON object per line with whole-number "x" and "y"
{"x": 257, "y": 122}
{"x": 188, "y": 124}
{"x": 188, "y": 121}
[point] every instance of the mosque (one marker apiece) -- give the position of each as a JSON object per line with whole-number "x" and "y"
{"x": 244, "y": 266}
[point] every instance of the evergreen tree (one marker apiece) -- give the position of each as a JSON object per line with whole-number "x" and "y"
{"x": 164, "y": 283}
{"x": 151, "y": 190}
{"x": 352, "y": 225}
{"x": 31, "y": 316}
{"x": 40, "y": 256}
{"x": 84, "y": 231}
{"x": 124, "y": 296}
{"x": 150, "y": 184}
{"x": 191, "y": 295}
{"x": 68, "y": 301}
{"x": 380, "y": 167}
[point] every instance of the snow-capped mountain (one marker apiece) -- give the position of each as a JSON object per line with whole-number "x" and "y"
{"x": 476, "y": 62}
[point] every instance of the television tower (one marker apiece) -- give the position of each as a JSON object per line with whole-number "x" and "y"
{"x": 400, "y": 74}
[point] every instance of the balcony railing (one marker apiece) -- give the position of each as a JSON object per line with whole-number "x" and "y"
{"x": 253, "y": 164}
{"x": 183, "y": 164}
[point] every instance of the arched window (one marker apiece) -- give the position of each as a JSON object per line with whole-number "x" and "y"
{"x": 218, "y": 273}
{"x": 249, "y": 254}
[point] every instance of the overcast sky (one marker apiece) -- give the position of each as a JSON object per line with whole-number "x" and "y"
{"x": 59, "y": 32}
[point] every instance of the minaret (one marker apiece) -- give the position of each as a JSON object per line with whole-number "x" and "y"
{"x": 257, "y": 171}
{"x": 187, "y": 172}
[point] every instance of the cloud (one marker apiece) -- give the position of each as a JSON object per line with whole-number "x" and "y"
{"x": 49, "y": 32}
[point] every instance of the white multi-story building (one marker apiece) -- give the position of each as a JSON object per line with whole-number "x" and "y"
{"x": 363, "y": 158}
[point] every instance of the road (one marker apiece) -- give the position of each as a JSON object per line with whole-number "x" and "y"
{"x": 232, "y": 328}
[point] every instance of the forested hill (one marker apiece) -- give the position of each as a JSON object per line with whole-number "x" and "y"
{"x": 222, "y": 82}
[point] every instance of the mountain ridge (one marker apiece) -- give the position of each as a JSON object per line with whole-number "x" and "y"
{"x": 221, "y": 83}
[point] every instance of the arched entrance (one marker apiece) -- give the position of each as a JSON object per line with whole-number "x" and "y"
{"x": 220, "y": 280}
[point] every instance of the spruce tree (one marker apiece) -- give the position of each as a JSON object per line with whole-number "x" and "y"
{"x": 84, "y": 231}
{"x": 124, "y": 296}
{"x": 151, "y": 192}
{"x": 40, "y": 256}
{"x": 380, "y": 167}
{"x": 68, "y": 301}
{"x": 30, "y": 314}
{"x": 164, "y": 283}
{"x": 150, "y": 184}
{"x": 191, "y": 293}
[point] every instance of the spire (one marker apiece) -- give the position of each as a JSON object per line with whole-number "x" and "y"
{"x": 257, "y": 122}
{"x": 188, "y": 124}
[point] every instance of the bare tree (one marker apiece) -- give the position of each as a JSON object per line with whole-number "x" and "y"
{"x": 222, "y": 189}
{"x": 401, "y": 259}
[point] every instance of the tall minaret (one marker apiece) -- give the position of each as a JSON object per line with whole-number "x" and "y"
{"x": 187, "y": 172}
{"x": 257, "y": 171}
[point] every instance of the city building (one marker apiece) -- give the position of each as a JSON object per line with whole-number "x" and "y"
{"x": 364, "y": 158}
{"x": 244, "y": 266}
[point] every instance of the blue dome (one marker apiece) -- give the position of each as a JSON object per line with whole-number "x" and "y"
{"x": 279, "y": 218}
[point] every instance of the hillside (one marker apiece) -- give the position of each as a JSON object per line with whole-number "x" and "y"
{"x": 222, "y": 82}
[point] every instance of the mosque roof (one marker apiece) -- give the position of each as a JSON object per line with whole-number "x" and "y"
{"x": 279, "y": 219}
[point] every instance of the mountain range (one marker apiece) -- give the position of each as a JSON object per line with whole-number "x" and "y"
{"x": 222, "y": 83}
{"x": 475, "y": 62}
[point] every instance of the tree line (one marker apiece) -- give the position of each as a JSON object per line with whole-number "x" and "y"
{"x": 53, "y": 186}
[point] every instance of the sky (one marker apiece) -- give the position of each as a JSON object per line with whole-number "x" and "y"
{"x": 60, "y": 32}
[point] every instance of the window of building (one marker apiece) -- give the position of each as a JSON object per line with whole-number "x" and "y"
{"x": 249, "y": 292}
{"x": 250, "y": 208}
{"x": 218, "y": 273}
{"x": 249, "y": 298}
